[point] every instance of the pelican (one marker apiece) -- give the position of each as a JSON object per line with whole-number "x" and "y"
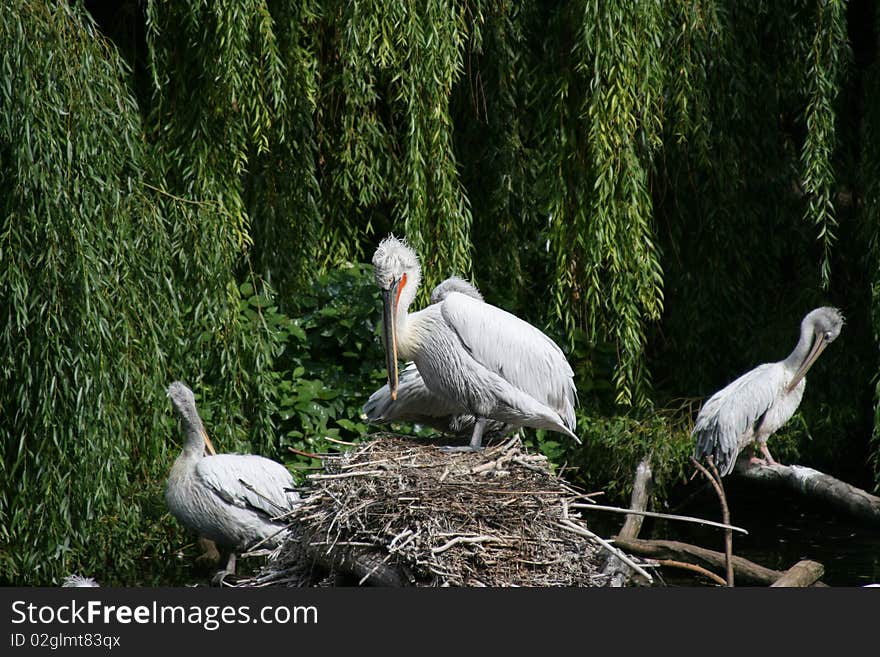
{"x": 232, "y": 499}
{"x": 454, "y": 284}
{"x": 415, "y": 402}
{"x": 755, "y": 405}
{"x": 485, "y": 361}
{"x": 78, "y": 581}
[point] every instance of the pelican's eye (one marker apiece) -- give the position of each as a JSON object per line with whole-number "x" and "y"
{"x": 828, "y": 336}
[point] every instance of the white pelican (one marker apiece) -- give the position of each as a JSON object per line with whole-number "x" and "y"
{"x": 78, "y": 581}
{"x": 759, "y": 402}
{"x": 415, "y": 402}
{"x": 483, "y": 359}
{"x": 454, "y": 284}
{"x": 232, "y": 499}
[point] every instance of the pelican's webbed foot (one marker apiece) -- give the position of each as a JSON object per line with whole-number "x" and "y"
{"x": 220, "y": 576}
{"x": 767, "y": 455}
{"x": 461, "y": 448}
{"x": 476, "y": 439}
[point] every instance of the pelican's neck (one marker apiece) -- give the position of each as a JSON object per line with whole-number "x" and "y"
{"x": 797, "y": 357}
{"x": 407, "y": 295}
{"x": 194, "y": 445}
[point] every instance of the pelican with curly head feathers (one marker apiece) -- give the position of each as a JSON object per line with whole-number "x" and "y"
{"x": 485, "y": 361}
{"x": 416, "y": 403}
{"x": 754, "y": 406}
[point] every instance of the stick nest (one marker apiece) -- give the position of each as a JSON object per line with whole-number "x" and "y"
{"x": 392, "y": 512}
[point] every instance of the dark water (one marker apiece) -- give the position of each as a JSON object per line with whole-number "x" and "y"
{"x": 783, "y": 529}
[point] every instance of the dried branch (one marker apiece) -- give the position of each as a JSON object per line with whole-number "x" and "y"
{"x": 694, "y": 568}
{"x": 653, "y": 514}
{"x": 570, "y": 526}
{"x": 715, "y": 479}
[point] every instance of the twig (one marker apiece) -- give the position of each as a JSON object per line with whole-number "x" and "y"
{"x": 280, "y": 507}
{"x": 466, "y": 539}
{"x": 256, "y": 546}
{"x": 309, "y": 454}
{"x": 382, "y": 462}
{"x": 525, "y": 493}
{"x": 654, "y": 514}
{"x": 529, "y": 466}
{"x": 577, "y": 529}
{"x": 396, "y": 546}
{"x": 178, "y": 198}
{"x": 374, "y": 569}
{"x": 725, "y": 516}
{"x": 345, "y": 475}
{"x": 497, "y": 464}
{"x": 340, "y": 442}
{"x": 715, "y": 480}
{"x": 695, "y": 568}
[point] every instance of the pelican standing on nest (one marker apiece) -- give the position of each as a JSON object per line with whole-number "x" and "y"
{"x": 483, "y": 359}
{"x": 755, "y": 405}
{"x": 415, "y": 402}
{"x": 232, "y": 499}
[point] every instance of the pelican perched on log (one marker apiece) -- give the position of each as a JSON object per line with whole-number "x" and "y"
{"x": 416, "y": 402}
{"x": 486, "y": 361}
{"x": 754, "y": 406}
{"x": 232, "y": 499}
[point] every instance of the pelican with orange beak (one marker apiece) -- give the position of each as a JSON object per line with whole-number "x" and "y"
{"x": 757, "y": 404}
{"x": 236, "y": 500}
{"x": 480, "y": 359}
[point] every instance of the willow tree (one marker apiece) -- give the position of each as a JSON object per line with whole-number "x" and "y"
{"x": 112, "y": 286}
{"x": 665, "y": 187}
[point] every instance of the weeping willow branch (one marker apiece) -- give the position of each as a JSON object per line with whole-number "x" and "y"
{"x": 823, "y": 82}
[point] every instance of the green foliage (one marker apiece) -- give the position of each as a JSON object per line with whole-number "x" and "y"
{"x": 112, "y": 287}
{"x": 823, "y": 82}
{"x": 614, "y": 445}
{"x": 74, "y": 351}
{"x": 330, "y": 363}
{"x": 868, "y": 166}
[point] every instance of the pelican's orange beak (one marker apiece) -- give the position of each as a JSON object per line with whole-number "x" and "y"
{"x": 208, "y": 444}
{"x": 390, "y": 298}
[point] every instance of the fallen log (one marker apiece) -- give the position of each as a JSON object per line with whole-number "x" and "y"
{"x": 745, "y": 571}
{"x": 803, "y": 573}
{"x": 639, "y": 499}
{"x": 365, "y": 564}
{"x": 694, "y": 568}
{"x": 618, "y": 572}
{"x": 818, "y": 485}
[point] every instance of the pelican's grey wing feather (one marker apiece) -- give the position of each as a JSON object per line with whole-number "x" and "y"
{"x": 734, "y": 411}
{"x": 249, "y": 481}
{"x": 418, "y": 404}
{"x": 514, "y": 350}
{"x": 414, "y": 403}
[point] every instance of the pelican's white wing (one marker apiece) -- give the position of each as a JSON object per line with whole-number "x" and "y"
{"x": 734, "y": 410}
{"x": 248, "y": 481}
{"x": 514, "y": 350}
{"x": 414, "y": 403}
{"x": 417, "y": 403}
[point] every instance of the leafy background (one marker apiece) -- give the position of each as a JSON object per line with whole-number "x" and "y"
{"x": 189, "y": 191}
